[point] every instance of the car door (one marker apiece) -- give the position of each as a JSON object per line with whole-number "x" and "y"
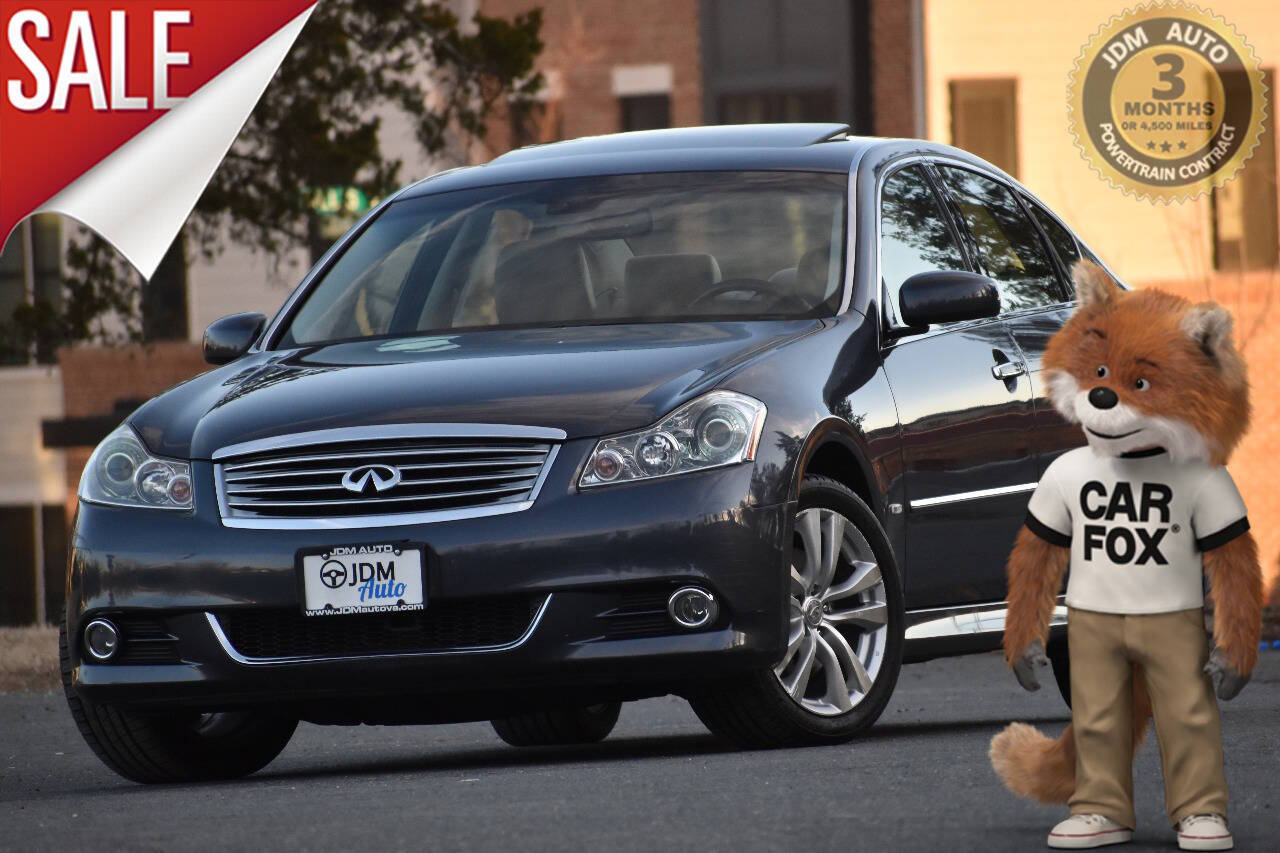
{"x": 965, "y": 408}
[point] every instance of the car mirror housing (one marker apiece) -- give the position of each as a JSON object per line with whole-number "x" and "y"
{"x": 946, "y": 296}
{"x": 230, "y": 337}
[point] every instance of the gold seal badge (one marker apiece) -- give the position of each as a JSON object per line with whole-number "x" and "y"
{"x": 1166, "y": 101}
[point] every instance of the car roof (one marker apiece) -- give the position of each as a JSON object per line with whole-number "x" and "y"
{"x": 764, "y": 147}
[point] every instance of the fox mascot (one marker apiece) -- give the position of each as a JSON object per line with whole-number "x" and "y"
{"x": 1146, "y": 519}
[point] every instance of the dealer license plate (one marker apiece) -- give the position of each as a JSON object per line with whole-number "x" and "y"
{"x": 362, "y": 579}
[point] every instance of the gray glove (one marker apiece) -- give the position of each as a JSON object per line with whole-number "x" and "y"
{"x": 1227, "y": 683}
{"x": 1024, "y": 668}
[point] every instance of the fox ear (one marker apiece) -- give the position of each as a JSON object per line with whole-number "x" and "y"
{"x": 1209, "y": 325}
{"x": 1093, "y": 285}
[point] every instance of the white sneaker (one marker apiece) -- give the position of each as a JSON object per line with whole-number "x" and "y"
{"x": 1204, "y": 832}
{"x": 1081, "y": 831}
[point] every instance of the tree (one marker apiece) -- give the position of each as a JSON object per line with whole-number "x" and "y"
{"x": 317, "y": 125}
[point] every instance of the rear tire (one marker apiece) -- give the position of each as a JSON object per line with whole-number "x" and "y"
{"x": 181, "y": 746}
{"x": 560, "y": 727}
{"x": 773, "y": 708}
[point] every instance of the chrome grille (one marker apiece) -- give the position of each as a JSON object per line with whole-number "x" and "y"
{"x": 382, "y": 475}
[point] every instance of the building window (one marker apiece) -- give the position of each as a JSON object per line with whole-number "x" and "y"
{"x": 644, "y": 95}
{"x": 645, "y": 112}
{"x": 984, "y": 120}
{"x": 787, "y": 60}
{"x": 1245, "y": 229}
{"x": 766, "y": 107}
{"x": 26, "y": 277}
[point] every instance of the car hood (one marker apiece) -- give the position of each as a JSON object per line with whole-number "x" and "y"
{"x": 587, "y": 381}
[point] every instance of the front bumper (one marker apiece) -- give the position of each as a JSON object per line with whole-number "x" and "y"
{"x": 577, "y": 558}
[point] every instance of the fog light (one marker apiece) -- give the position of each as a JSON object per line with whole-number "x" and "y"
{"x": 691, "y": 607}
{"x": 101, "y": 639}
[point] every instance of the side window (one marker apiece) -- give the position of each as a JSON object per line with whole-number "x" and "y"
{"x": 1062, "y": 240}
{"x": 1064, "y": 243}
{"x": 914, "y": 235}
{"x": 1008, "y": 245}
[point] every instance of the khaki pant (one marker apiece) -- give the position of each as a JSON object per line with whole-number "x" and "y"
{"x": 1171, "y": 649}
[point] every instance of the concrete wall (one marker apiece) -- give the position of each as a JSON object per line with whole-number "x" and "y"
{"x": 29, "y": 473}
{"x": 32, "y": 480}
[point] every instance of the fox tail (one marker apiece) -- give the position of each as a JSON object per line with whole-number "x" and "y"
{"x": 1036, "y": 767}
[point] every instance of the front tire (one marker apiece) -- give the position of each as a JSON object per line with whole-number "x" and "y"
{"x": 182, "y": 746}
{"x": 844, "y": 647}
{"x": 560, "y": 727}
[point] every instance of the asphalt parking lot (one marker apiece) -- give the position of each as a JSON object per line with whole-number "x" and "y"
{"x": 919, "y": 781}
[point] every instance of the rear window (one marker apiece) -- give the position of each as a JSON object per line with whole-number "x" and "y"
{"x": 616, "y": 249}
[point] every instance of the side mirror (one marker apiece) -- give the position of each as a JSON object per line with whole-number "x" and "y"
{"x": 945, "y": 296}
{"x": 230, "y": 337}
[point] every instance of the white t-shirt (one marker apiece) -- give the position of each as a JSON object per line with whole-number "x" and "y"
{"x": 1136, "y": 526}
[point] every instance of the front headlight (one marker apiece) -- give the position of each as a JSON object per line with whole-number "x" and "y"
{"x": 720, "y": 428}
{"x": 122, "y": 473}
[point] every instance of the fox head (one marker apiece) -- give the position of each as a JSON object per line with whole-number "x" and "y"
{"x": 1142, "y": 369}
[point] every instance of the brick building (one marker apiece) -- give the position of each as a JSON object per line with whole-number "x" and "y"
{"x": 612, "y": 66}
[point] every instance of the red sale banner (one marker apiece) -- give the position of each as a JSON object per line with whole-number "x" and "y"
{"x": 117, "y": 114}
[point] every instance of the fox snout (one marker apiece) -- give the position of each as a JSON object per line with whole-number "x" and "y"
{"x": 1103, "y": 398}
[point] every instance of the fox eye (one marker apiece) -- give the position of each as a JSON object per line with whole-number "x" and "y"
{"x": 1103, "y": 372}
{"x": 1142, "y": 385}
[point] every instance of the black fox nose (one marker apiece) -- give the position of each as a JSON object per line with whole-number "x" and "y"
{"x": 1103, "y": 398}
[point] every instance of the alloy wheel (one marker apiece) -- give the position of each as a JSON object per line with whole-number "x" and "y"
{"x": 839, "y": 615}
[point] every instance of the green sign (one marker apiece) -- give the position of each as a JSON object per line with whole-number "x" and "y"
{"x": 340, "y": 201}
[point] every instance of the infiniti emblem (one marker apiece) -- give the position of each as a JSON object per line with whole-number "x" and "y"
{"x": 383, "y": 477}
{"x": 813, "y": 612}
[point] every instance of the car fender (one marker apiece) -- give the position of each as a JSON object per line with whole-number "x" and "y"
{"x": 835, "y": 431}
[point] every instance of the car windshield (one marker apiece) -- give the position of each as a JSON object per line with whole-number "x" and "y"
{"x": 586, "y": 251}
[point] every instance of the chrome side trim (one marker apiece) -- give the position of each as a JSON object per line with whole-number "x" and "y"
{"x": 239, "y": 658}
{"x": 388, "y": 431}
{"x": 973, "y": 496}
{"x": 943, "y": 622}
{"x": 383, "y": 519}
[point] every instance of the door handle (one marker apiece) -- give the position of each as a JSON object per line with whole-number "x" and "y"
{"x": 1008, "y": 370}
